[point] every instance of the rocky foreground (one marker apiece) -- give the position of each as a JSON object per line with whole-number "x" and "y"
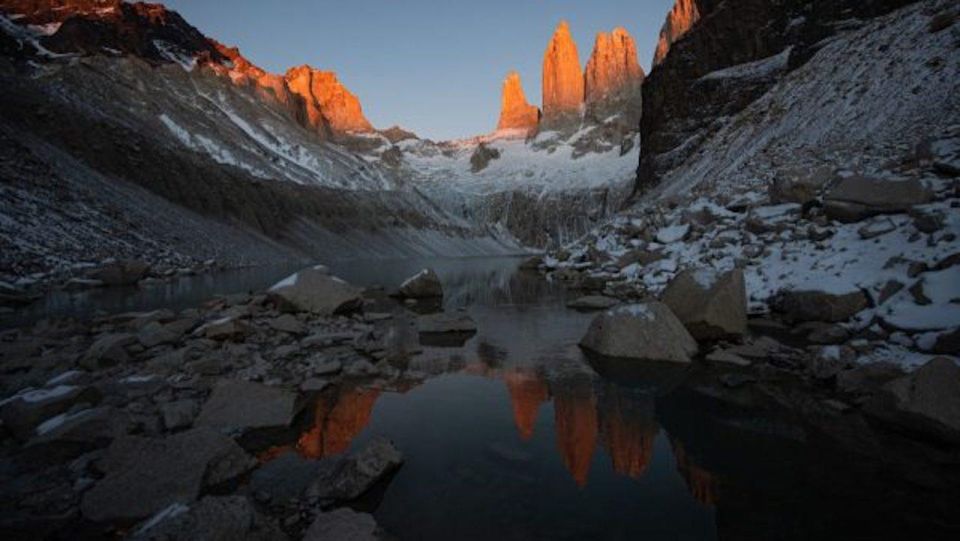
{"x": 159, "y": 424}
{"x": 845, "y": 282}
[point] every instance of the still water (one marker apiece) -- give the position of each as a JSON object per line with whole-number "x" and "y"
{"x": 516, "y": 435}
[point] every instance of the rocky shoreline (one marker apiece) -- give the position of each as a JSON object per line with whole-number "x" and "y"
{"x": 149, "y": 424}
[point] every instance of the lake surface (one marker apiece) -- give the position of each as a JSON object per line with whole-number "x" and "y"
{"x": 516, "y": 435}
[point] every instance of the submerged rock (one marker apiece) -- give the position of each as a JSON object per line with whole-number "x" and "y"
{"x": 423, "y": 285}
{"x": 343, "y": 524}
{"x": 710, "y": 305}
{"x": 345, "y": 478}
{"x": 592, "y": 302}
{"x": 314, "y": 290}
{"x": 643, "y": 332}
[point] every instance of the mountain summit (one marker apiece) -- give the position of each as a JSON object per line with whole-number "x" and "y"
{"x": 562, "y": 79}
{"x": 515, "y": 112}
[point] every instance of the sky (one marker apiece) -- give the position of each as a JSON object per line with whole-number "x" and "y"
{"x": 431, "y": 66}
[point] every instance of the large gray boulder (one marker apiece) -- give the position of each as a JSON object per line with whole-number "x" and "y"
{"x": 926, "y": 401}
{"x": 242, "y": 405}
{"x": 801, "y": 306}
{"x": 858, "y": 197}
{"x": 146, "y": 475}
{"x": 642, "y": 332}
{"x": 343, "y": 479}
{"x": 343, "y": 524}
{"x": 799, "y": 185}
{"x": 423, "y": 285}
{"x": 710, "y": 305}
{"x": 214, "y": 518}
{"x": 315, "y": 290}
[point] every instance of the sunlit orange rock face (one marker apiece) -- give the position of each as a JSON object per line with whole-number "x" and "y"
{"x": 702, "y": 484}
{"x": 680, "y": 20}
{"x": 515, "y": 112}
{"x": 575, "y": 412}
{"x": 613, "y": 67}
{"x": 338, "y": 422}
{"x": 562, "y": 79}
{"x": 328, "y": 104}
{"x": 628, "y": 433}
{"x": 528, "y": 392}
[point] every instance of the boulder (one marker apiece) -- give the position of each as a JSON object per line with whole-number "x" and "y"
{"x": 288, "y": 323}
{"x": 108, "y": 350}
{"x": 22, "y": 413}
{"x": 146, "y": 475}
{"x": 315, "y": 290}
{"x": 592, "y": 302}
{"x": 858, "y": 197}
{"x": 179, "y": 413}
{"x": 799, "y": 185}
{"x": 867, "y": 378}
{"x": 926, "y": 401}
{"x": 226, "y": 328}
{"x": 283, "y": 478}
{"x": 343, "y": 524}
{"x": 446, "y": 322}
{"x": 243, "y": 405}
{"x": 800, "y": 306}
{"x": 120, "y": 273}
{"x": 155, "y": 333}
{"x": 214, "y": 518}
{"x": 424, "y": 285}
{"x": 93, "y": 426}
{"x": 643, "y": 332}
{"x": 710, "y": 305}
{"x": 343, "y": 479}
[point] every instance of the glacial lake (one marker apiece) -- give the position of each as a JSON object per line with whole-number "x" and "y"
{"x": 516, "y": 435}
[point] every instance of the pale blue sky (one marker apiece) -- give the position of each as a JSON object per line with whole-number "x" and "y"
{"x": 433, "y": 66}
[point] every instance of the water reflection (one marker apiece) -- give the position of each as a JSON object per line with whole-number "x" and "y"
{"x": 702, "y": 483}
{"x": 337, "y": 420}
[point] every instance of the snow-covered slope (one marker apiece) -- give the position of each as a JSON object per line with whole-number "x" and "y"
{"x": 881, "y": 101}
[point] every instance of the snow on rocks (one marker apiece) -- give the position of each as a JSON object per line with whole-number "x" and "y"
{"x": 180, "y": 466}
{"x": 710, "y": 305}
{"x": 640, "y": 332}
{"x": 315, "y": 290}
{"x": 423, "y": 285}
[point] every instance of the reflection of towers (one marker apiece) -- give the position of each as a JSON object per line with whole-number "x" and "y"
{"x": 702, "y": 484}
{"x": 576, "y": 422}
{"x": 527, "y": 392}
{"x": 336, "y": 424}
{"x": 629, "y": 429}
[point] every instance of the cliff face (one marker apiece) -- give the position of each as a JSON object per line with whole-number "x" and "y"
{"x": 562, "y": 79}
{"x": 680, "y": 20}
{"x": 613, "y": 67}
{"x": 613, "y": 78}
{"x": 515, "y": 112}
{"x": 730, "y": 56}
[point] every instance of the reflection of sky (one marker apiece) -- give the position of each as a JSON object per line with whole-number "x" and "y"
{"x": 433, "y": 66}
